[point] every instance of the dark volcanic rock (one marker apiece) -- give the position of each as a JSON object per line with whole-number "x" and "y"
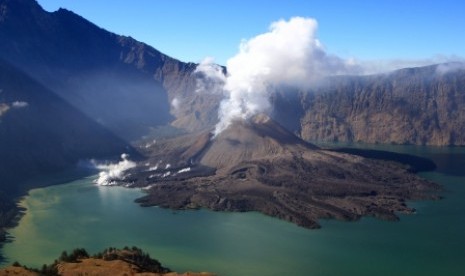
{"x": 262, "y": 167}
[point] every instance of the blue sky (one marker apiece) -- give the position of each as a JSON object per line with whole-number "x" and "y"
{"x": 366, "y": 30}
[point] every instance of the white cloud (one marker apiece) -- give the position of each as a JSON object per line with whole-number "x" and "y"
{"x": 450, "y": 67}
{"x": 383, "y": 66}
{"x": 19, "y": 104}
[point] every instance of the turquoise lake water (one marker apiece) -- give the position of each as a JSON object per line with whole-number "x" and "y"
{"x": 81, "y": 214}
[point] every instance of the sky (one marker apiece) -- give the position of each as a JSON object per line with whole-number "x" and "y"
{"x": 190, "y": 30}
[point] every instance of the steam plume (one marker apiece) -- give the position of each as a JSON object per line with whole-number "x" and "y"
{"x": 112, "y": 172}
{"x": 210, "y": 77}
{"x": 289, "y": 54}
{"x": 176, "y": 103}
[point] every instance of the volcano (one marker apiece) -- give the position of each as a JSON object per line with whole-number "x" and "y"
{"x": 255, "y": 139}
{"x": 257, "y": 165}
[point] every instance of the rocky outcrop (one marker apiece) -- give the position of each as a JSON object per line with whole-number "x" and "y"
{"x": 422, "y": 106}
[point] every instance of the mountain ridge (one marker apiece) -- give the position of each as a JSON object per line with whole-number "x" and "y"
{"x": 88, "y": 66}
{"x": 420, "y": 106}
{"x": 114, "y": 79}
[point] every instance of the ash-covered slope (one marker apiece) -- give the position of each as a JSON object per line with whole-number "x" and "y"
{"x": 260, "y": 166}
{"x": 255, "y": 139}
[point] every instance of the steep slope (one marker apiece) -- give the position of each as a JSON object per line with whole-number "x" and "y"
{"x": 423, "y": 106}
{"x": 126, "y": 85}
{"x": 260, "y": 166}
{"x": 40, "y": 133}
{"x": 258, "y": 138}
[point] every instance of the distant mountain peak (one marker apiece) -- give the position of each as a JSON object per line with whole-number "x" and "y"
{"x": 23, "y": 7}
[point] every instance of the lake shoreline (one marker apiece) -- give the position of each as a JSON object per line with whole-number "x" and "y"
{"x": 17, "y": 212}
{"x": 11, "y": 211}
{"x": 105, "y": 189}
{"x": 81, "y": 214}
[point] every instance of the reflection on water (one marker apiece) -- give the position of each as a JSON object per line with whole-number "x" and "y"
{"x": 451, "y": 164}
{"x": 80, "y": 214}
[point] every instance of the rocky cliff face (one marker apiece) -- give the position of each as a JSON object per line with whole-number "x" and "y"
{"x": 423, "y": 106}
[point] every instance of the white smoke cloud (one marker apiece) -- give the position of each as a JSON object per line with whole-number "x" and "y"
{"x": 110, "y": 173}
{"x": 289, "y": 54}
{"x": 19, "y": 104}
{"x": 176, "y": 103}
{"x": 450, "y": 67}
{"x": 209, "y": 77}
{"x": 383, "y": 66}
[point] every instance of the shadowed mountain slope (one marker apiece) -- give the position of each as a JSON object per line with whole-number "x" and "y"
{"x": 123, "y": 84}
{"x": 40, "y": 133}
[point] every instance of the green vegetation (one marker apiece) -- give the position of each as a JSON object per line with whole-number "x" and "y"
{"x": 134, "y": 256}
{"x": 74, "y": 257}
